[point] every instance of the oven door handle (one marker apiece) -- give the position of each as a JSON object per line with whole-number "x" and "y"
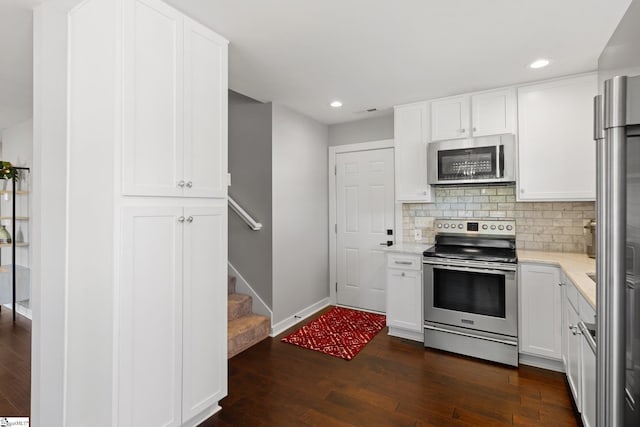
{"x": 472, "y": 269}
{"x": 464, "y": 334}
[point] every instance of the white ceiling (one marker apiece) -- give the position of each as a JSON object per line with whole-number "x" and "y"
{"x": 366, "y": 53}
{"x": 16, "y": 61}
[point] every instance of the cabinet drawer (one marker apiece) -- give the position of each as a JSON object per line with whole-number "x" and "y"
{"x": 572, "y": 294}
{"x": 587, "y": 313}
{"x": 404, "y": 261}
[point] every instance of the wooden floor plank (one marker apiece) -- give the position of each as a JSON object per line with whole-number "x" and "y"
{"x": 15, "y": 364}
{"x": 391, "y": 382}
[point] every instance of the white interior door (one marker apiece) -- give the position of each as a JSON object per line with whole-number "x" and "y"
{"x": 365, "y": 211}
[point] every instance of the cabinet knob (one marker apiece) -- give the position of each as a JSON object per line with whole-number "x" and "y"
{"x": 180, "y": 219}
{"x": 181, "y": 183}
{"x": 190, "y": 219}
{"x": 474, "y": 128}
{"x": 402, "y": 274}
{"x": 561, "y": 284}
{"x": 189, "y": 184}
{"x": 463, "y": 130}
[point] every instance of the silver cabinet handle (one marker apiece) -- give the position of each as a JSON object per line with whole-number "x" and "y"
{"x": 181, "y": 183}
{"x": 180, "y": 219}
{"x": 189, "y": 184}
{"x": 403, "y": 262}
{"x": 190, "y": 219}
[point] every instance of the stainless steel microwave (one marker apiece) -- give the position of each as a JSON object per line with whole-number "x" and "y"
{"x": 486, "y": 159}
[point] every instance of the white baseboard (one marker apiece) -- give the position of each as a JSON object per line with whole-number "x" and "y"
{"x": 205, "y": 414}
{"x": 409, "y": 335}
{"x": 285, "y": 324}
{"x": 242, "y": 286}
{"x": 20, "y": 309}
{"x": 540, "y": 362}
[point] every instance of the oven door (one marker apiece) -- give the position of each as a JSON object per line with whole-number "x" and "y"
{"x": 474, "y": 297}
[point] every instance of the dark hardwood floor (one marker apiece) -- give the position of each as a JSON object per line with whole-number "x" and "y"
{"x": 15, "y": 365}
{"x": 392, "y": 382}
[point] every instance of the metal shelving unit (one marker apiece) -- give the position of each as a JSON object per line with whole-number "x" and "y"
{"x": 19, "y": 189}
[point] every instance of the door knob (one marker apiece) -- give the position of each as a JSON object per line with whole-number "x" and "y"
{"x": 387, "y": 243}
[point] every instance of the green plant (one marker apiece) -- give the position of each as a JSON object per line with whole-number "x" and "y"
{"x": 8, "y": 171}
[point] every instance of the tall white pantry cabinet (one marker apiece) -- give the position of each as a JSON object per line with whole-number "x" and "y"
{"x": 150, "y": 84}
{"x": 172, "y": 293}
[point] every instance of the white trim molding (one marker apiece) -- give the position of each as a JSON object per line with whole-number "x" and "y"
{"x": 258, "y": 306}
{"x": 333, "y": 151}
{"x": 285, "y": 324}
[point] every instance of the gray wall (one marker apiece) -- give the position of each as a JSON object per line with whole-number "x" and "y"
{"x": 250, "y": 165}
{"x": 301, "y": 213}
{"x": 373, "y": 129}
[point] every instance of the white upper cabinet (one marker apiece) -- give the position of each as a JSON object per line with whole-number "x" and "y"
{"x": 556, "y": 150}
{"x": 479, "y": 114}
{"x": 175, "y": 104}
{"x": 411, "y": 130}
{"x": 450, "y": 118}
{"x": 205, "y": 111}
{"x": 494, "y": 112}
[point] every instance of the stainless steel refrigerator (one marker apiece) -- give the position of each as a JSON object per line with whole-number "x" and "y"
{"x": 617, "y": 135}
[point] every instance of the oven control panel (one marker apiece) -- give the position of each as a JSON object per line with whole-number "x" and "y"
{"x": 469, "y": 226}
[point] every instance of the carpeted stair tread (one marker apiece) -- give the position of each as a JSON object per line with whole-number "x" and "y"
{"x": 231, "y": 284}
{"x": 238, "y": 305}
{"x": 246, "y": 331}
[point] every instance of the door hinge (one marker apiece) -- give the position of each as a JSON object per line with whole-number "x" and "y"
{"x": 335, "y": 228}
{"x": 335, "y": 169}
{"x": 336, "y": 287}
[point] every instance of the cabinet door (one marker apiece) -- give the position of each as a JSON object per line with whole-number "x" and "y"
{"x": 205, "y": 112}
{"x": 588, "y": 384}
{"x": 150, "y": 318}
{"x": 404, "y": 299}
{"x": 555, "y": 137}
{"x": 493, "y": 113}
{"x": 540, "y": 311}
{"x": 205, "y": 309}
{"x": 450, "y": 118}
{"x": 152, "y": 136}
{"x": 411, "y": 127}
{"x": 574, "y": 355}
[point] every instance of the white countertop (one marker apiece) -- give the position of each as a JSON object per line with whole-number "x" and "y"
{"x": 575, "y": 266}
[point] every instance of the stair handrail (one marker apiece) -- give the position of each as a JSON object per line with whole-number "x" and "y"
{"x": 252, "y": 223}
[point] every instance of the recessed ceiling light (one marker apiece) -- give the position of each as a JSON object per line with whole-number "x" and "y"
{"x": 336, "y": 104}
{"x": 539, "y": 63}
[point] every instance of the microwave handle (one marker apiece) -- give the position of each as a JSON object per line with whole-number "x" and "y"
{"x": 499, "y": 160}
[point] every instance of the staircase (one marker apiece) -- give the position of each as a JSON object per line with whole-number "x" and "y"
{"x": 244, "y": 327}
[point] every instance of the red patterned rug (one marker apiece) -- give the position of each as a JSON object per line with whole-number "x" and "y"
{"x": 340, "y": 332}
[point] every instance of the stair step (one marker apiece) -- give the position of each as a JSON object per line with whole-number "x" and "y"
{"x": 245, "y": 332}
{"x": 231, "y": 284}
{"x": 238, "y": 305}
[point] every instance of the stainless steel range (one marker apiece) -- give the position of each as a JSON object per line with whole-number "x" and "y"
{"x": 470, "y": 290}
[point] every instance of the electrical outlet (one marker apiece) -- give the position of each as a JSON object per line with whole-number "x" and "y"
{"x": 417, "y": 234}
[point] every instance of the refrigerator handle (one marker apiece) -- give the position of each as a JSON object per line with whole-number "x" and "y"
{"x": 610, "y": 262}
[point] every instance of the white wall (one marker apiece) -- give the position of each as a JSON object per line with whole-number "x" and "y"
{"x": 17, "y": 144}
{"x": 73, "y": 162}
{"x": 371, "y": 129}
{"x": 300, "y": 213}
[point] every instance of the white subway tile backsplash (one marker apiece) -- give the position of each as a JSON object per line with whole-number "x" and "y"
{"x": 550, "y": 226}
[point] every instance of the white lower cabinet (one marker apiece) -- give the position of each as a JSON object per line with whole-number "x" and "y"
{"x": 574, "y": 358}
{"x": 540, "y": 311}
{"x": 172, "y": 315}
{"x": 404, "y": 296}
